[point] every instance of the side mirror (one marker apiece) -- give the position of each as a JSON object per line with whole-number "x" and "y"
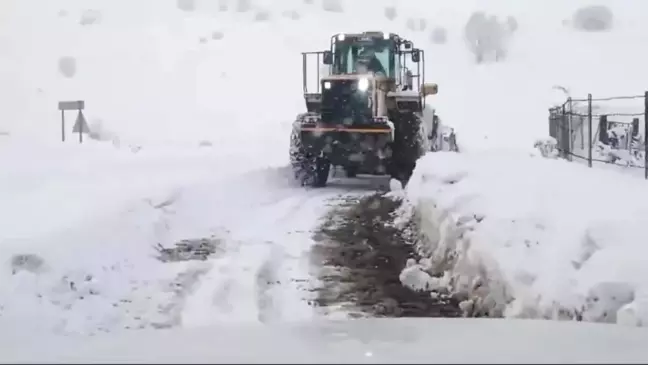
{"x": 430, "y": 89}
{"x": 328, "y": 57}
{"x": 416, "y": 56}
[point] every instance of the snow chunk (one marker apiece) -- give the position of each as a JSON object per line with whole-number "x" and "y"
{"x": 605, "y": 299}
{"x": 415, "y": 277}
{"x": 634, "y": 313}
{"x": 395, "y": 185}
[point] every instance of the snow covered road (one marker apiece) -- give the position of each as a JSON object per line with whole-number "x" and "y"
{"x": 90, "y": 262}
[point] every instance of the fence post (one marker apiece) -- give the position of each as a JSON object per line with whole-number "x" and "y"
{"x": 646, "y": 135}
{"x": 63, "y": 125}
{"x": 589, "y": 129}
{"x": 562, "y": 124}
{"x": 603, "y": 128}
{"x": 568, "y": 122}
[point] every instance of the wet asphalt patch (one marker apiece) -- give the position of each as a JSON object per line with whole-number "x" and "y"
{"x": 360, "y": 254}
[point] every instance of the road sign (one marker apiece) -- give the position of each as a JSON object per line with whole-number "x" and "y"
{"x": 80, "y": 126}
{"x": 71, "y": 105}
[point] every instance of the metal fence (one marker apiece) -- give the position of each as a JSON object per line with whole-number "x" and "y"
{"x": 602, "y": 130}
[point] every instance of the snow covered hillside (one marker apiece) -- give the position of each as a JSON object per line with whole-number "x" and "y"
{"x": 151, "y": 71}
{"x": 191, "y": 103}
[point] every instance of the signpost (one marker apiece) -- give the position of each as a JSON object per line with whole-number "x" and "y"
{"x": 80, "y": 126}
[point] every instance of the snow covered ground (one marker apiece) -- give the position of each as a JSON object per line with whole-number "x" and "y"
{"x": 376, "y": 341}
{"x": 79, "y": 226}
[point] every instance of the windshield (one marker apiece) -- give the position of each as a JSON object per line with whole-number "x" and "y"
{"x": 374, "y": 55}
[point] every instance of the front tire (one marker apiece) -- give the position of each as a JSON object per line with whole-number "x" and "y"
{"x": 308, "y": 170}
{"x": 321, "y": 172}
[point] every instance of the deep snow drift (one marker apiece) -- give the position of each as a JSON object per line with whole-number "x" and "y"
{"x": 533, "y": 237}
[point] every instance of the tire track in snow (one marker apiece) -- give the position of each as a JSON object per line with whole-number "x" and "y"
{"x": 226, "y": 292}
{"x": 265, "y": 274}
{"x": 252, "y": 282}
{"x": 267, "y": 278}
{"x": 181, "y": 288}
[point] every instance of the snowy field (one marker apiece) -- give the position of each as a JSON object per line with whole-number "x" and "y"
{"x": 190, "y": 105}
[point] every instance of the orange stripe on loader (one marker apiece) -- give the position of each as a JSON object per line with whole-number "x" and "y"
{"x": 350, "y": 130}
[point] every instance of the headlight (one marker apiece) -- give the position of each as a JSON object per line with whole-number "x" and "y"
{"x": 327, "y": 85}
{"x": 363, "y": 84}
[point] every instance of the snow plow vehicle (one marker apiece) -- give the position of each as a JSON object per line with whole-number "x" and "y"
{"x": 366, "y": 110}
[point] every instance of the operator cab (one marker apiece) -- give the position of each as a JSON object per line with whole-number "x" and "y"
{"x": 378, "y": 53}
{"x": 365, "y": 53}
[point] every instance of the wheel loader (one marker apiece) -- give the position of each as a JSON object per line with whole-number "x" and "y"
{"x": 365, "y": 111}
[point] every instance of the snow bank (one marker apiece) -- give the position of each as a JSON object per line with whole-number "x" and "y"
{"x": 530, "y": 237}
